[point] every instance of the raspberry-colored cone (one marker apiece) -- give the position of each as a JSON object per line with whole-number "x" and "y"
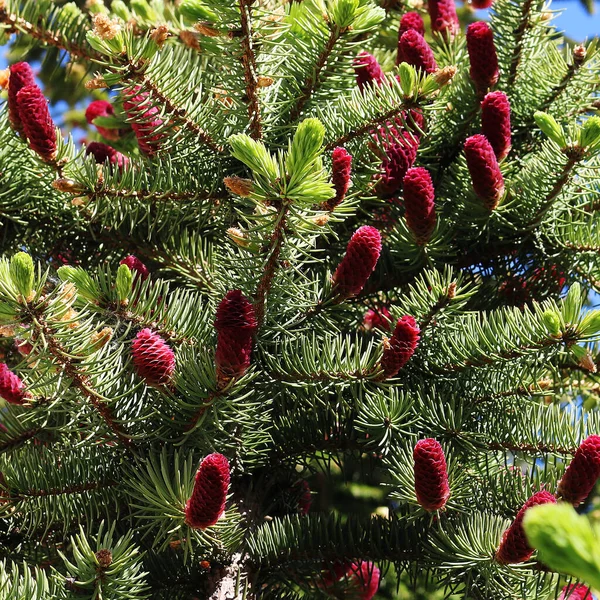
{"x": 364, "y": 580}
{"x": 367, "y": 69}
{"x": 103, "y": 152}
{"x": 419, "y": 202}
{"x": 236, "y": 324}
{"x": 341, "y": 169}
{"x": 409, "y": 21}
{"x": 575, "y": 592}
{"x": 431, "y": 475}
{"x": 136, "y": 107}
{"x": 401, "y": 346}
{"x": 207, "y": 502}
{"x": 400, "y": 155}
{"x": 101, "y": 108}
{"x": 582, "y": 473}
{"x": 443, "y": 16}
{"x": 21, "y": 76}
{"x": 495, "y": 122}
{"x": 414, "y": 50}
{"x": 377, "y": 319}
{"x": 153, "y": 360}
{"x": 514, "y": 547}
{"x": 482, "y": 54}
{"x": 479, "y": 4}
{"x": 136, "y": 266}
{"x": 487, "y": 179}
{"x": 362, "y": 254}
{"x": 37, "y": 122}
{"x": 12, "y": 389}
{"x": 304, "y": 497}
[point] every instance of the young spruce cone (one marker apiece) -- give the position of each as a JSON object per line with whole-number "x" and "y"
{"x": 414, "y": 50}
{"x": 207, "y": 502}
{"x": 482, "y": 54}
{"x": 575, "y": 592}
{"x": 487, "y": 179}
{"x": 495, "y": 122}
{"x": 103, "y": 152}
{"x": 136, "y": 266}
{"x": 37, "y": 122}
{"x": 367, "y": 69}
{"x": 419, "y": 202}
{"x": 443, "y": 16}
{"x": 153, "y": 359}
{"x": 431, "y": 475}
{"x": 101, "y": 108}
{"x": 399, "y": 349}
{"x": 409, "y": 21}
{"x": 21, "y": 76}
{"x": 514, "y": 547}
{"x": 341, "y": 169}
{"x": 582, "y": 473}
{"x": 12, "y": 389}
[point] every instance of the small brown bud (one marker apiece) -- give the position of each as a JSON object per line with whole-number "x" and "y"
{"x": 579, "y": 54}
{"x": 587, "y": 362}
{"x": 451, "y": 291}
{"x": 264, "y": 81}
{"x": 104, "y": 558}
{"x": 190, "y": 39}
{"x": 204, "y": 28}
{"x": 4, "y": 75}
{"x": 100, "y": 338}
{"x": 444, "y": 75}
{"x": 106, "y": 28}
{"x": 7, "y": 331}
{"x": 544, "y": 384}
{"x": 97, "y": 83}
{"x": 238, "y": 185}
{"x": 321, "y": 220}
{"x": 160, "y": 35}
{"x": 238, "y": 236}
{"x": 68, "y": 186}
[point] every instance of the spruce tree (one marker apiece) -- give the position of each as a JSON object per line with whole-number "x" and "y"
{"x": 305, "y": 315}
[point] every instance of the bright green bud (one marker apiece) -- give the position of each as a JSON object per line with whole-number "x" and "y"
{"x": 142, "y": 9}
{"x": 7, "y": 314}
{"x": 367, "y": 17}
{"x": 552, "y": 322}
{"x": 304, "y": 150}
{"x": 22, "y": 272}
{"x": 566, "y": 541}
{"x": 119, "y": 9}
{"x": 548, "y": 124}
{"x": 590, "y": 325}
{"x": 590, "y": 133}
{"x": 70, "y": 10}
{"x": 342, "y": 12}
{"x": 572, "y": 304}
{"x": 194, "y": 10}
{"x": 96, "y": 7}
{"x": 254, "y": 155}
{"x": 86, "y": 286}
{"x": 124, "y": 282}
{"x": 408, "y": 79}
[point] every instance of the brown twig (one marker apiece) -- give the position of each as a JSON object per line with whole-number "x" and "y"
{"x": 519, "y": 34}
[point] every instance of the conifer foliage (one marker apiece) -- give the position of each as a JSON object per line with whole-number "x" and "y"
{"x": 304, "y": 313}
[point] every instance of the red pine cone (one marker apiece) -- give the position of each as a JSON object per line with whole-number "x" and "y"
{"x": 431, "y": 475}
{"x": 414, "y": 50}
{"x": 341, "y": 168}
{"x": 514, "y": 547}
{"x": 37, "y": 122}
{"x": 409, "y": 21}
{"x": 400, "y": 155}
{"x": 487, "y": 179}
{"x": 136, "y": 266}
{"x": 400, "y": 347}
{"x": 364, "y": 578}
{"x": 362, "y": 254}
{"x": 235, "y": 324}
{"x": 153, "y": 360}
{"x": 582, "y": 473}
{"x": 495, "y": 122}
{"x": 12, "y": 389}
{"x": 367, "y": 69}
{"x": 136, "y": 106}
{"x": 101, "y": 108}
{"x": 481, "y": 3}
{"x": 575, "y": 592}
{"x": 379, "y": 318}
{"x": 305, "y": 497}
{"x": 419, "y": 201}
{"x": 482, "y": 54}
{"x": 207, "y": 502}
{"x": 20, "y": 76}
{"x": 103, "y": 152}
{"x": 443, "y": 16}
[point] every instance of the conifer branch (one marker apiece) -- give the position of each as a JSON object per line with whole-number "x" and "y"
{"x": 168, "y": 196}
{"x": 540, "y": 448}
{"x": 519, "y": 34}
{"x": 250, "y": 74}
{"x": 21, "y": 438}
{"x": 47, "y": 37}
{"x": 562, "y": 85}
{"x": 437, "y": 307}
{"x": 297, "y": 376}
{"x": 73, "y": 489}
{"x": 314, "y": 81}
{"x": 79, "y": 380}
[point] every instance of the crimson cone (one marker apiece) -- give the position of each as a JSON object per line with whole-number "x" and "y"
{"x": 414, "y": 50}
{"x": 482, "y": 54}
{"x": 101, "y": 108}
{"x": 431, "y": 475}
{"x": 419, "y": 202}
{"x": 487, "y": 179}
{"x": 21, "y": 76}
{"x": 495, "y": 122}
{"x": 444, "y": 19}
{"x": 153, "y": 359}
{"x": 582, "y": 473}
{"x": 399, "y": 349}
{"x": 37, "y": 122}
{"x": 12, "y": 389}
{"x": 368, "y": 71}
